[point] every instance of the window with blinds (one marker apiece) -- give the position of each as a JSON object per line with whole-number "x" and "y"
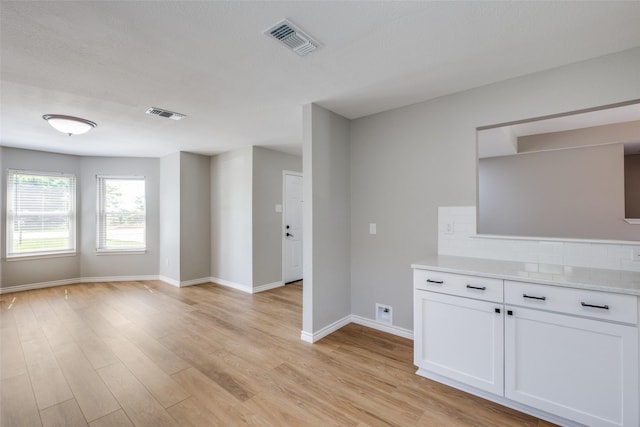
{"x": 41, "y": 213}
{"x": 121, "y": 218}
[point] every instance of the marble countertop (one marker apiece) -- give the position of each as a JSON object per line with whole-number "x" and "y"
{"x": 618, "y": 281}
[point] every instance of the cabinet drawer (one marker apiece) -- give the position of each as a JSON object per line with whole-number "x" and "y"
{"x": 481, "y": 288}
{"x": 598, "y": 305}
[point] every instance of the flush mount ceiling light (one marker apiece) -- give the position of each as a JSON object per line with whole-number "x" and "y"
{"x": 69, "y": 124}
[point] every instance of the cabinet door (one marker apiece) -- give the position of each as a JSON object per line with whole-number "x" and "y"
{"x": 581, "y": 369}
{"x": 460, "y": 338}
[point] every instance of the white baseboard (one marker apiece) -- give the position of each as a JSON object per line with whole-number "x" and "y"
{"x": 74, "y": 281}
{"x": 306, "y": 337}
{"x": 117, "y": 278}
{"x": 170, "y": 281}
{"x": 317, "y": 336}
{"x": 165, "y": 279}
{"x": 183, "y": 283}
{"x": 268, "y": 286}
{"x": 41, "y": 285}
{"x": 394, "y": 330}
{"x": 245, "y": 288}
{"x": 359, "y": 320}
{"x": 193, "y": 282}
{"x": 233, "y": 285}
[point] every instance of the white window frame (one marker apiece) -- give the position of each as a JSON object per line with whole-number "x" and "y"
{"x": 101, "y": 221}
{"x": 11, "y": 214}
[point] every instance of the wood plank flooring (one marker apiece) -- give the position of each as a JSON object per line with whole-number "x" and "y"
{"x": 149, "y": 354}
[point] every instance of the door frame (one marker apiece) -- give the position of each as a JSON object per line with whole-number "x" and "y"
{"x": 283, "y": 225}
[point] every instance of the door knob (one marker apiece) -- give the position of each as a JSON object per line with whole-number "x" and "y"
{"x": 289, "y": 235}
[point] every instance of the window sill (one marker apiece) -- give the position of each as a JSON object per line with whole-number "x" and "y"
{"x": 11, "y": 258}
{"x": 121, "y": 252}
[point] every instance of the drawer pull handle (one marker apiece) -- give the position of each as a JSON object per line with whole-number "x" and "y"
{"x": 604, "y": 307}
{"x": 439, "y": 282}
{"x": 533, "y": 297}
{"x": 480, "y": 288}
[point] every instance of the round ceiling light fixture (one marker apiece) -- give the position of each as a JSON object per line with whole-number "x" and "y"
{"x": 69, "y": 124}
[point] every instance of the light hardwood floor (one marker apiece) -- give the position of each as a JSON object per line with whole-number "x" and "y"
{"x": 148, "y": 354}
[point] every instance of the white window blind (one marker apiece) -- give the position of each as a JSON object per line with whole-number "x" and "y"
{"x": 41, "y": 213}
{"x": 121, "y": 214}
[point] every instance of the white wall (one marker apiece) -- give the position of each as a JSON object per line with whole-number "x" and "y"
{"x": 268, "y": 166}
{"x": 326, "y": 218}
{"x": 409, "y": 161}
{"x": 231, "y": 217}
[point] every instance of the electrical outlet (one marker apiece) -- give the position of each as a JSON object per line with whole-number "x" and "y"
{"x": 384, "y": 314}
{"x": 636, "y": 255}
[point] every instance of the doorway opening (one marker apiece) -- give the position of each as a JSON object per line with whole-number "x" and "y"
{"x": 292, "y": 227}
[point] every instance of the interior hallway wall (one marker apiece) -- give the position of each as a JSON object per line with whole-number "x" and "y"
{"x": 268, "y": 167}
{"x": 326, "y": 218}
{"x": 231, "y": 217}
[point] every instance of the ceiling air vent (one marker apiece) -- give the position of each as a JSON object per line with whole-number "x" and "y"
{"x": 165, "y": 113}
{"x": 292, "y": 37}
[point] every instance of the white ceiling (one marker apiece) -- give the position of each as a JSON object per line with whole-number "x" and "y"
{"x": 108, "y": 61}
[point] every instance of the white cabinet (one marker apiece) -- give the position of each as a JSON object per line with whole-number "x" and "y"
{"x": 581, "y": 369}
{"x": 561, "y": 357}
{"x": 566, "y": 352}
{"x": 460, "y": 338}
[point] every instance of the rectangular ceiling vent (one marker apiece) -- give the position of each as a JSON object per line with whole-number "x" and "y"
{"x": 287, "y": 33}
{"x": 165, "y": 113}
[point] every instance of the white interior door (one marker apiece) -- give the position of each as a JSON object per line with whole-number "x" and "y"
{"x": 292, "y": 226}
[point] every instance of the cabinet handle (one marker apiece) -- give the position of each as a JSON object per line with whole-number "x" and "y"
{"x": 497, "y": 310}
{"x": 439, "y": 282}
{"x": 604, "y": 307}
{"x": 480, "y": 288}
{"x": 510, "y": 312}
{"x": 532, "y": 297}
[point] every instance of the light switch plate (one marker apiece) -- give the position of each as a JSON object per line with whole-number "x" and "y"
{"x": 278, "y": 208}
{"x": 448, "y": 228}
{"x": 373, "y": 229}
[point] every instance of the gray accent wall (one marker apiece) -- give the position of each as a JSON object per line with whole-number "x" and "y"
{"x": 169, "y": 259}
{"x": 98, "y": 266}
{"x": 231, "y": 217}
{"x": 409, "y": 161}
{"x": 632, "y": 185}
{"x": 326, "y": 218}
{"x": 268, "y": 168}
{"x": 86, "y": 263}
{"x": 195, "y": 217}
{"x": 574, "y": 193}
{"x": 29, "y": 271}
{"x": 595, "y": 135}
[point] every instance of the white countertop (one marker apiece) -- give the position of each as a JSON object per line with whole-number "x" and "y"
{"x": 618, "y": 281}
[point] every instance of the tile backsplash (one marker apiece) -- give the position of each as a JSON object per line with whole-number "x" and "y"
{"x": 457, "y": 236}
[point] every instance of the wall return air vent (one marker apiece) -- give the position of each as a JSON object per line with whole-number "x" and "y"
{"x": 153, "y": 111}
{"x": 287, "y": 33}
